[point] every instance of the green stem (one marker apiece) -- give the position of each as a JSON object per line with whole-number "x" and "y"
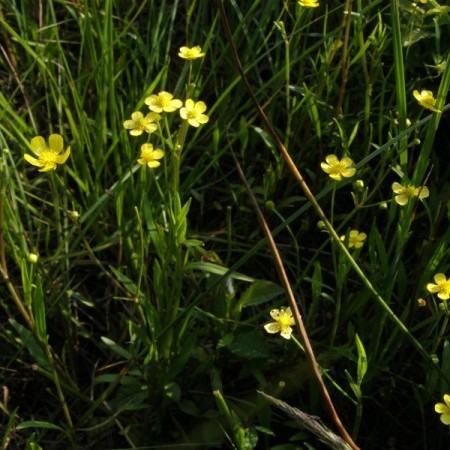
{"x": 441, "y": 331}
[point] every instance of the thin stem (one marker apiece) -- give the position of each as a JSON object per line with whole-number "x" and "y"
{"x": 344, "y": 59}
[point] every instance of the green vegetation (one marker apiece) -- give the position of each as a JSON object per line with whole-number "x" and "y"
{"x": 150, "y": 245}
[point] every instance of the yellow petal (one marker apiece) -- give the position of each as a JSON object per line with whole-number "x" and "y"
{"x": 447, "y": 400}
{"x": 202, "y": 118}
{"x": 61, "y": 159}
{"x": 48, "y": 167}
{"x": 275, "y": 313}
{"x": 183, "y": 113}
{"x": 336, "y": 176}
{"x": 286, "y": 333}
{"x": 347, "y": 161}
{"x": 200, "y": 107}
{"x": 137, "y": 115}
{"x": 56, "y": 143}
{"x": 189, "y": 104}
{"x": 272, "y": 327}
{"x": 128, "y": 124}
{"x": 440, "y": 278}
{"x": 417, "y": 95}
{"x": 331, "y": 159}
{"x": 402, "y": 199}
{"x": 423, "y": 192}
{"x": 32, "y": 160}
{"x": 397, "y": 187}
{"x": 440, "y": 408}
{"x": 38, "y": 145}
{"x": 194, "y": 123}
{"x": 348, "y": 172}
{"x": 158, "y": 154}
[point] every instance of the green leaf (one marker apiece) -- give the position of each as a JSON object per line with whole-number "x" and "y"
{"x": 362, "y": 359}
{"x": 29, "y": 341}
{"x": 116, "y": 348}
{"x": 217, "y": 270}
{"x": 251, "y": 345}
{"x": 126, "y": 282}
{"x": 38, "y": 424}
{"x": 260, "y": 291}
{"x": 39, "y": 310}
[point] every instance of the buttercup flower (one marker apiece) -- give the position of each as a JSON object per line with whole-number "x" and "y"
{"x": 193, "y": 113}
{"x": 150, "y": 156}
{"x": 337, "y": 169}
{"x": 191, "y": 53}
{"x": 426, "y": 99}
{"x": 47, "y": 157}
{"x": 407, "y": 192}
{"x": 138, "y": 123}
{"x": 441, "y": 288}
{"x": 355, "y": 239}
{"x": 283, "y": 322}
{"x": 309, "y": 3}
{"x": 164, "y": 101}
{"x": 444, "y": 410}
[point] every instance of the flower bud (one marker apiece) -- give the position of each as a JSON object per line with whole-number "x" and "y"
{"x": 32, "y": 258}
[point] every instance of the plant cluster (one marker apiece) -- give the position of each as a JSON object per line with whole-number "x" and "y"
{"x": 177, "y": 275}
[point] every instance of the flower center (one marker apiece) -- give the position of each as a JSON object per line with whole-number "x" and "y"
{"x": 337, "y": 168}
{"x": 147, "y": 154}
{"x": 192, "y": 114}
{"x": 163, "y": 101}
{"x": 445, "y": 287}
{"x": 138, "y": 125}
{"x": 410, "y": 191}
{"x": 284, "y": 320}
{"x": 48, "y": 157}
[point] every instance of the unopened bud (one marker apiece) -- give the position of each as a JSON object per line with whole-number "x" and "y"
{"x": 32, "y": 258}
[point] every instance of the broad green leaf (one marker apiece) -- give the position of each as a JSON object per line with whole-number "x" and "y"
{"x": 251, "y": 345}
{"x": 260, "y": 291}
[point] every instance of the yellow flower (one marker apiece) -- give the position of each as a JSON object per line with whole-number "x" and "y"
{"x": 309, "y": 3}
{"x": 283, "y": 322}
{"x": 164, "y": 101}
{"x": 191, "y": 53}
{"x": 150, "y": 156}
{"x": 138, "y": 123}
{"x": 407, "y": 192}
{"x": 442, "y": 286}
{"x": 193, "y": 113}
{"x": 355, "y": 239}
{"x": 47, "y": 157}
{"x": 444, "y": 410}
{"x": 337, "y": 169}
{"x": 426, "y": 99}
